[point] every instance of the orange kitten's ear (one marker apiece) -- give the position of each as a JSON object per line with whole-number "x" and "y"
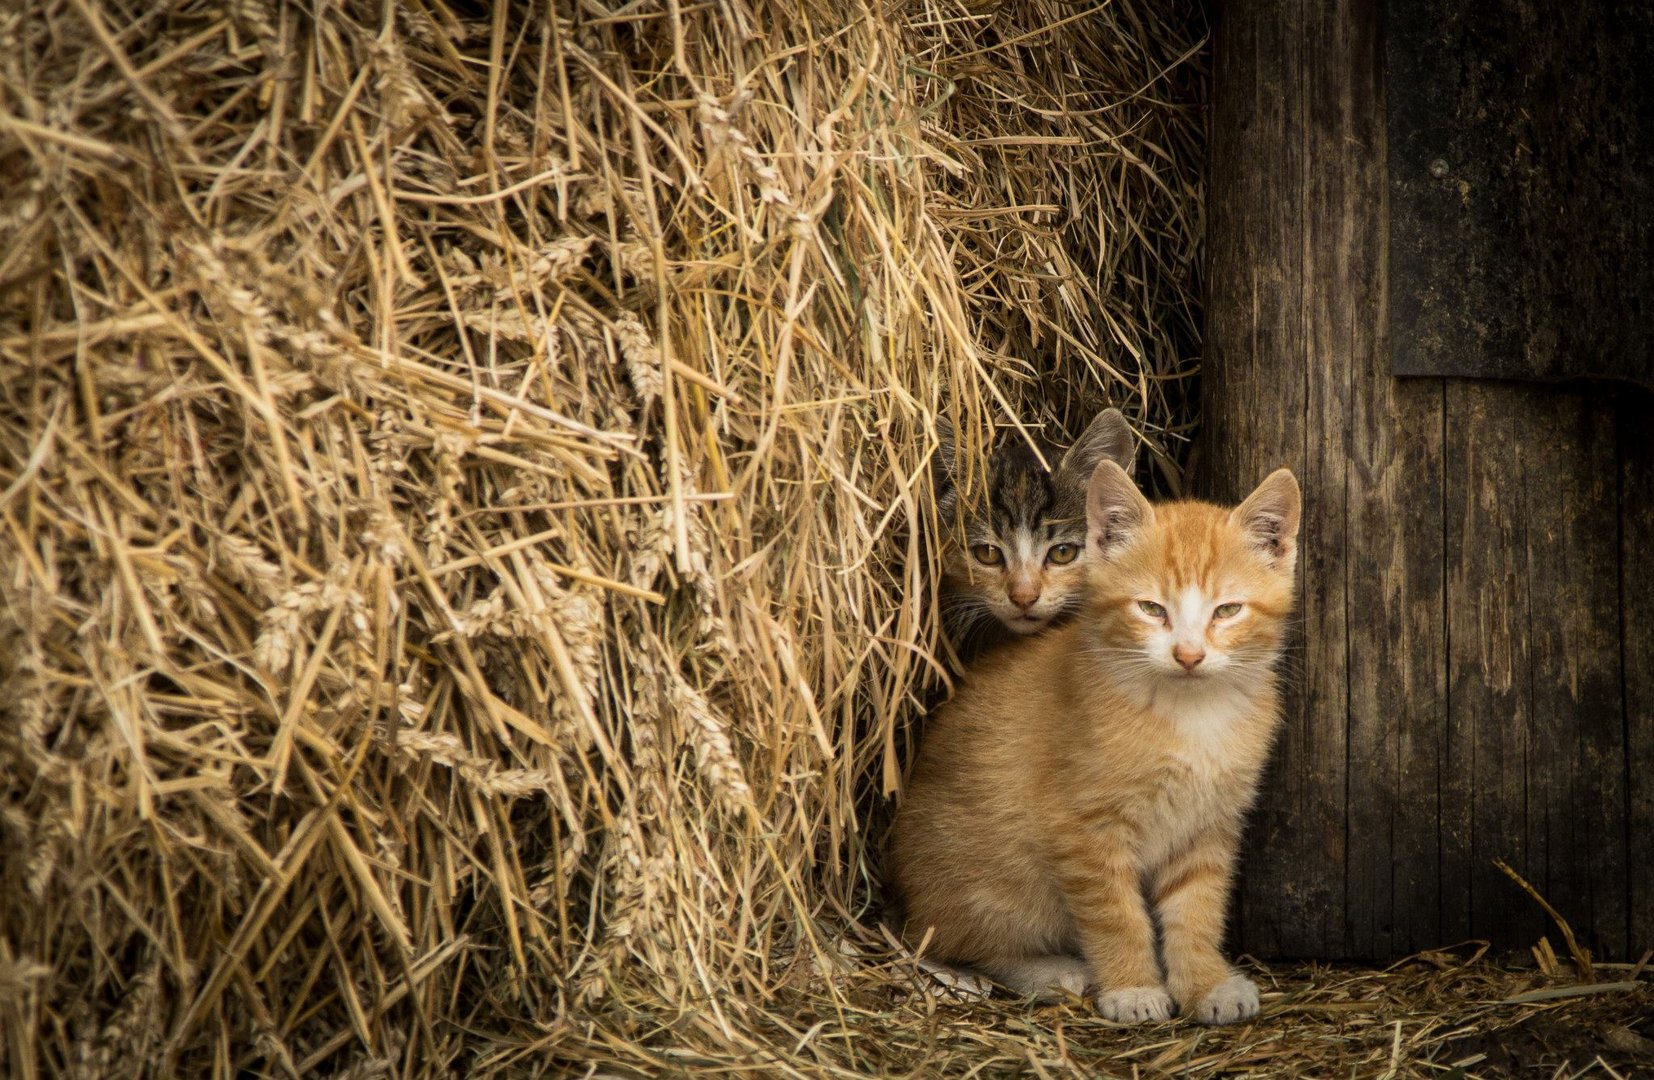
{"x": 1115, "y": 510}
{"x": 1269, "y": 517}
{"x": 1109, "y": 438}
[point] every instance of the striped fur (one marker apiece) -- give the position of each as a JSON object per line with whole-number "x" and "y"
{"x": 1024, "y": 512}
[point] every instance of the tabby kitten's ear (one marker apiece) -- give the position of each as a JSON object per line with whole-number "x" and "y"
{"x": 1269, "y": 517}
{"x": 946, "y": 452}
{"x": 1115, "y": 510}
{"x": 942, "y": 465}
{"x": 1109, "y": 438}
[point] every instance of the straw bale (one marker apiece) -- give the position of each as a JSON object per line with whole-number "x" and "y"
{"x": 466, "y": 555}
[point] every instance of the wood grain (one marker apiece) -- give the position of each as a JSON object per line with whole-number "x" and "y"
{"x": 1636, "y": 498}
{"x": 1535, "y": 668}
{"x": 1265, "y": 410}
{"x": 1471, "y": 569}
{"x": 1522, "y": 187}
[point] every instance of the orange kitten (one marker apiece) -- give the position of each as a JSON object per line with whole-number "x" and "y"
{"x": 1116, "y": 754}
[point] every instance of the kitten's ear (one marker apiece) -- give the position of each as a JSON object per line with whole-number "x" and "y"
{"x": 947, "y": 453}
{"x": 1109, "y": 438}
{"x": 1115, "y": 510}
{"x": 1269, "y": 517}
{"x": 942, "y": 465}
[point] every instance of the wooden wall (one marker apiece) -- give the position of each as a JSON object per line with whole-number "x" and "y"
{"x": 1473, "y": 674}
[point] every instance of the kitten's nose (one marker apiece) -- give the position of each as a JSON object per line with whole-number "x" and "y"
{"x": 1023, "y": 592}
{"x": 1189, "y": 658}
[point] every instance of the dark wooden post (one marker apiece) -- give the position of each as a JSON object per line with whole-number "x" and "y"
{"x": 1471, "y": 676}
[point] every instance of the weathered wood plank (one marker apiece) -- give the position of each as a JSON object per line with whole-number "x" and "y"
{"x": 1577, "y": 789}
{"x": 1636, "y": 468}
{"x": 1533, "y": 603}
{"x": 1522, "y": 187}
{"x": 1397, "y": 673}
{"x": 1260, "y": 414}
{"x": 1491, "y": 717}
{"x": 1380, "y": 441}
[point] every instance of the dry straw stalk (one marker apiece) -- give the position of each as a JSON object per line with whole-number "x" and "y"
{"x": 466, "y": 554}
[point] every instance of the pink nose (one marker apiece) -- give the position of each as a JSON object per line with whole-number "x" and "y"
{"x": 1189, "y": 658}
{"x": 1023, "y": 593}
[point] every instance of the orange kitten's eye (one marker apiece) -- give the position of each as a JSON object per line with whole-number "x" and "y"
{"x": 1152, "y": 609}
{"x": 988, "y": 555}
{"x": 1062, "y": 554}
{"x": 1227, "y": 611}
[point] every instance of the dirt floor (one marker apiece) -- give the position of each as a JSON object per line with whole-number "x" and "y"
{"x": 1609, "y": 1033}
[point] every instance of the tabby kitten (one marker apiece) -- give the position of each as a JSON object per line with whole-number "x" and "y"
{"x": 1015, "y": 558}
{"x": 1114, "y": 754}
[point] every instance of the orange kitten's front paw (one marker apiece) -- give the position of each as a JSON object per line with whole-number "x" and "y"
{"x": 1135, "y": 1004}
{"x": 1235, "y": 998}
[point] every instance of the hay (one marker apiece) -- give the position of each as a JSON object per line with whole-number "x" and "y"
{"x": 465, "y": 561}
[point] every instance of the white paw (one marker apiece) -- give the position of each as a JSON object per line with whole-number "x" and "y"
{"x": 1052, "y": 977}
{"x": 1073, "y": 981}
{"x": 1135, "y": 1004}
{"x": 1235, "y": 998}
{"x": 1045, "y": 978}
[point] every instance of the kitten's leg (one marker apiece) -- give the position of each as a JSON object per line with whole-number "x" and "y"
{"x": 1191, "y": 892}
{"x": 1106, "y": 897}
{"x": 1047, "y": 978}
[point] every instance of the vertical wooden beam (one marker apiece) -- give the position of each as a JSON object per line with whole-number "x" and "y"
{"x": 1491, "y": 708}
{"x": 1390, "y": 570}
{"x": 1263, "y": 409}
{"x": 1636, "y": 469}
{"x": 1346, "y": 840}
{"x": 1574, "y": 564}
{"x": 1534, "y": 607}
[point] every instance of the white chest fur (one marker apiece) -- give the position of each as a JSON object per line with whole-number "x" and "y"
{"x": 1207, "y": 777}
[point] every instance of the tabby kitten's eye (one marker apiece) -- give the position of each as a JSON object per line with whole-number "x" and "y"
{"x": 1062, "y": 554}
{"x": 1227, "y": 611}
{"x": 988, "y": 555}
{"x": 1152, "y": 609}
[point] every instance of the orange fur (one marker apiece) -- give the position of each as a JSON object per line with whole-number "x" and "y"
{"x": 1077, "y": 768}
